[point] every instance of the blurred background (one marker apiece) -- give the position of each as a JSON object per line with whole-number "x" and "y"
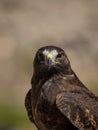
{"x": 27, "y": 25}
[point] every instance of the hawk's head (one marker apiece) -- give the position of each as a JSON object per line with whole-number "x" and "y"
{"x": 51, "y": 59}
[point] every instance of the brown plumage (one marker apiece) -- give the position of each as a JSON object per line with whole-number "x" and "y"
{"x": 57, "y": 99}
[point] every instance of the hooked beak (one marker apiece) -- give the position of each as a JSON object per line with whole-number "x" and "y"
{"x": 51, "y": 60}
{"x": 50, "y": 63}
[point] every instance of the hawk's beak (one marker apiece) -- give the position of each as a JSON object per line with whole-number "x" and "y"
{"x": 51, "y": 60}
{"x": 50, "y": 63}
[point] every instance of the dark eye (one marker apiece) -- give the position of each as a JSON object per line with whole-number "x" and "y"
{"x": 40, "y": 55}
{"x": 41, "y": 58}
{"x": 60, "y": 55}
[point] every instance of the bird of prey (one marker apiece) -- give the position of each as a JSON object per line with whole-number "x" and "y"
{"x": 58, "y": 100}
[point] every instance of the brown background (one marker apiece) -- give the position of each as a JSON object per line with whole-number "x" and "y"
{"x": 27, "y": 25}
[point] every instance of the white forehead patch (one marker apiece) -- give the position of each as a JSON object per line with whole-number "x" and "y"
{"x": 53, "y": 52}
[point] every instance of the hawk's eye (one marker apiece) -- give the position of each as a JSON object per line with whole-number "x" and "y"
{"x": 41, "y": 57}
{"x": 60, "y": 55}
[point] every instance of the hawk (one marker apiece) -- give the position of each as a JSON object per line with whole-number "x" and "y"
{"x": 58, "y": 100}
